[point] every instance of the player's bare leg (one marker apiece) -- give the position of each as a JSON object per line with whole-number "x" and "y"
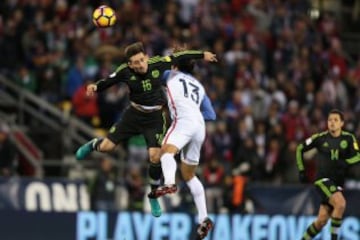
{"x": 321, "y": 220}
{"x": 338, "y": 202}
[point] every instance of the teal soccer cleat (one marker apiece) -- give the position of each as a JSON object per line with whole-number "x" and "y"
{"x": 85, "y": 150}
{"x": 155, "y": 206}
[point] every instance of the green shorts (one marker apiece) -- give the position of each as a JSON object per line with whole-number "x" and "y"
{"x": 326, "y": 187}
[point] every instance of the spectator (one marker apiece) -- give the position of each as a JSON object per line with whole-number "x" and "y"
{"x": 137, "y": 153}
{"x": 213, "y": 181}
{"x": 222, "y": 142}
{"x": 103, "y": 186}
{"x": 272, "y": 160}
{"x": 294, "y": 126}
{"x": 235, "y": 193}
{"x": 289, "y": 169}
{"x": 135, "y": 186}
{"x": 247, "y": 161}
{"x": 110, "y": 103}
{"x": 75, "y": 78}
{"x": 26, "y": 79}
{"x": 7, "y": 152}
{"x": 85, "y": 107}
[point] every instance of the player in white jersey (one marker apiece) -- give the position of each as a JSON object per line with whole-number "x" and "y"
{"x": 189, "y": 107}
{"x": 185, "y": 94}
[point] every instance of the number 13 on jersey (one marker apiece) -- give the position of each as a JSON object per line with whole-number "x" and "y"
{"x": 192, "y": 88}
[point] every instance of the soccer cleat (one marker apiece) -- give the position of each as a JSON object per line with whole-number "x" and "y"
{"x": 204, "y": 228}
{"x": 154, "y": 205}
{"x": 163, "y": 190}
{"x": 84, "y": 150}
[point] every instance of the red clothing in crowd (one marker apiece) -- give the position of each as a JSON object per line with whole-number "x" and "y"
{"x": 83, "y": 105}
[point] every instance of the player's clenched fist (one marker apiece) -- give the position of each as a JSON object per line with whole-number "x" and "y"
{"x": 91, "y": 89}
{"x": 210, "y": 57}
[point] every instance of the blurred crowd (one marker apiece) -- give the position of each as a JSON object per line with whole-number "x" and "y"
{"x": 279, "y": 73}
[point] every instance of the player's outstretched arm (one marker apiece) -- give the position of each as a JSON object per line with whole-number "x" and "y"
{"x": 121, "y": 74}
{"x": 194, "y": 54}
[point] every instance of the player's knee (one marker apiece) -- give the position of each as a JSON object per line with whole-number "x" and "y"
{"x": 340, "y": 205}
{"x": 169, "y": 148}
{"x": 186, "y": 174}
{"x": 338, "y": 202}
{"x": 187, "y": 171}
{"x": 154, "y": 156}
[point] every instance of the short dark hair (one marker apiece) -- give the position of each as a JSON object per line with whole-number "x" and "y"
{"x": 133, "y": 49}
{"x": 184, "y": 65}
{"x": 338, "y": 112}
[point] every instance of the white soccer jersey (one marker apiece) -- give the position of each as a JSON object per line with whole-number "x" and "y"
{"x": 187, "y": 130}
{"x": 185, "y": 95}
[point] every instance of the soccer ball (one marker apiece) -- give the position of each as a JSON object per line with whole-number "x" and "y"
{"x": 104, "y": 16}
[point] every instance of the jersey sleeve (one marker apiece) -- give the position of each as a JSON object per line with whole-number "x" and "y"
{"x": 354, "y": 152}
{"x": 165, "y": 76}
{"x": 121, "y": 74}
{"x": 206, "y": 109}
{"x": 188, "y": 54}
{"x": 305, "y": 146}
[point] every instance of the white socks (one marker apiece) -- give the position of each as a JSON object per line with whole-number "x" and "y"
{"x": 168, "y": 166}
{"x": 198, "y": 193}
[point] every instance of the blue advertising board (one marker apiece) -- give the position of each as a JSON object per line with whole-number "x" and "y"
{"x": 89, "y": 225}
{"x": 59, "y": 209}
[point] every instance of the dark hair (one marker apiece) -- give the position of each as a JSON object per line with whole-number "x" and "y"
{"x": 184, "y": 65}
{"x": 133, "y": 49}
{"x": 337, "y": 111}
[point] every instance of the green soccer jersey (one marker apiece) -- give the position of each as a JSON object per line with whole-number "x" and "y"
{"x": 334, "y": 154}
{"x": 146, "y": 89}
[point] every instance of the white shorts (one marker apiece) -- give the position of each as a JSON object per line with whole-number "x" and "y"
{"x": 188, "y": 137}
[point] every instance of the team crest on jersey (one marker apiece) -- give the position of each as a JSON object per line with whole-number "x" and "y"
{"x": 132, "y": 78}
{"x": 332, "y": 189}
{"x": 343, "y": 144}
{"x": 112, "y": 129}
{"x": 155, "y": 73}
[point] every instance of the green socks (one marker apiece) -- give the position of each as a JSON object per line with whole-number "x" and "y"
{"x": 310, "y": 232}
